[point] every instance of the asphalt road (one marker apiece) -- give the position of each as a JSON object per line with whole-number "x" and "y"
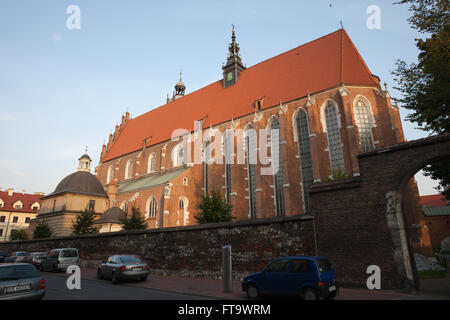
{"x": 104, "y": 290}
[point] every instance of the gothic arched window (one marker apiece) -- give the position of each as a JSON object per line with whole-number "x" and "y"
{"x": 304, "y": 147}
{"x": 152, "y": 207}
{"x": 228, "y": 162}
{"x": 110, "y": 174}
{"x": 250, "y": 150}
{"x": 151, "y": 166}
{"x": 364, "y": 124}
{"x": 205, "y": 166}
{"x": 334, "y": 138}
{"x": 178, "y": 155}
{"x": 275, "y": 151}
{"x": 129, "y": 170}
{"x": 124, "y": 207}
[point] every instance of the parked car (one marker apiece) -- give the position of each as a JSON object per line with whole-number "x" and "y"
{"x": 2, "y": 256}
{"x": 121, "y": 267}
{"x": 16, "y": 257}
{"x": 59, "y": 259}
{"x": 35, "y": 258}
{"x": 309, "y": 278}
{"x": 20, "y": 281}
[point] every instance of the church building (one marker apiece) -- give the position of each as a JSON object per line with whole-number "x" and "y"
{"x": 322, "y": 100}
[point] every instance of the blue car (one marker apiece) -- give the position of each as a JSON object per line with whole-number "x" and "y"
{"x": 310, "y": 278}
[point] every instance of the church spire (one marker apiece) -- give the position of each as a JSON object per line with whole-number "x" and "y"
{"x": 233, "y": 67}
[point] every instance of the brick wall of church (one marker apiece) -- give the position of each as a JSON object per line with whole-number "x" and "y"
{"x": 194, "y": 251}
{"x": 386, "y": 131}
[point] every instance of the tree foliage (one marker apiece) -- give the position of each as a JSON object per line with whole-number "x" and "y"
{"x": 135, "y": 222}
{"x": 84, "y": 223}
{"x": 42, "y": 230}
{"x": 214, "y": 209}
{"x": 425, "y": 85}
{"x": 18, "y": 234}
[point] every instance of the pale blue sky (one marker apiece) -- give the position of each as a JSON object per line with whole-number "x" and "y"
{"x": 62, "y": 89}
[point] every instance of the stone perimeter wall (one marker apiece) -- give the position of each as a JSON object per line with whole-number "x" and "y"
{"x": 194, "y": 251}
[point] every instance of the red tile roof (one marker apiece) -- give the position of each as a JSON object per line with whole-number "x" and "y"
{"x": 27, "y": 200}
{"x": 434, "y": 200}
{"x": 318, "y": 65}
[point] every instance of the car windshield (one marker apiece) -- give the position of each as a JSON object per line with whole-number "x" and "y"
{"x": 21, "y": 254}
{"x": 40, "y": 256}
{"x": 69, "y": 253}
{"x": 129, "y": 259}
{"x": 17, "y": 272}
{"x": 324, "y": 265}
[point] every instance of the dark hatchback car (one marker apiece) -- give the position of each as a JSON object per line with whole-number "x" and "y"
{"x": 310, "y": 278}
{"x": 122, "y": 267}
{"x": 20, "y": 281}
{"x": 35, "y": 258}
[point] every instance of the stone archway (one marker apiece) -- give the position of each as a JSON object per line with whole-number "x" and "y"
{"x": 360, "y": 221}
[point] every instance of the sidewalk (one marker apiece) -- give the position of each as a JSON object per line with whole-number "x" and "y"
{"x": 213, "y": 288}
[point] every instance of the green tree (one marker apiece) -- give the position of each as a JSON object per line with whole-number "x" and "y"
{"x": 214, "y": 209}
{"x": 425, "y": 85}
{"x": 135, "y": 222}
{"x": 18, "y": 234}
{"x": 84, "y": 223}
{"x": 42, "y": 230}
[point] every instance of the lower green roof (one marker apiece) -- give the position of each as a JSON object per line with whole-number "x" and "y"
{"x": 436, "y": 211}
{"x": 148, "y": 181}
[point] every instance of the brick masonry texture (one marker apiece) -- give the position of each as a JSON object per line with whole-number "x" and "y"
{"x": 355, "y": 227}
{"x": 193, "y": 251}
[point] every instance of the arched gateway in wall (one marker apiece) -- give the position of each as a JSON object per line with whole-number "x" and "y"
{"x": 364, "y": 221}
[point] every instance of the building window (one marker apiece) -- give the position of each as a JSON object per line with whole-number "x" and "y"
{"x": 35, "y": 206}
{"x": 228, "y": 162}
{"x": 364, "y": 125}
{"x": 181, "y": 204}
{"x": 2, "y": 204}
{"x": 2, "y": 218}
{"x": 275, "y": 151}
{"x": 110, "y": 174}
{"x": 178, "y": 155}
{"x": 304, "y": 147}
{"x": 129, "y": 170}
{"x": 15, "y": 220}
{"x": 152, "y": 207}
{"x": 91, "y": 205}
{"x": 185, "y": 181}
{"x": 124, "y": 207}
{"x": 205, "y": 167}
{"x": 1, "y": 232}
{"x": 18, "y": 205}
{"x": 250, "y": 149}
{"x": 151, "y": 167}
{"x": 334, "y": 138}
{"x": 27, "y": 220}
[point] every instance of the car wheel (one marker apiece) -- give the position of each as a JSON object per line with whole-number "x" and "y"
{"x": 54, "y": 268}
{"x": 99, "y": 274}
{"x": 310, "y": 294}
{"x": 114, "y": 278}
{"x": 252, "y": 292}
{"x": 143, "y": 279}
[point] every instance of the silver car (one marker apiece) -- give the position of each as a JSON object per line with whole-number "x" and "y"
{"x": 20, "y": 281}
{"x": 59, "y": 259}
{"x": 123, "y": 267}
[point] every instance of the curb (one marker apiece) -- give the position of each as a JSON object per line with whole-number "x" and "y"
{"x": 62, "y": 274}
